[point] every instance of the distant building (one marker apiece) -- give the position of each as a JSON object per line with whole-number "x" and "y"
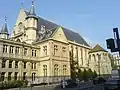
{"x": 38, "y": 49}
{"x": 116, "y": 60}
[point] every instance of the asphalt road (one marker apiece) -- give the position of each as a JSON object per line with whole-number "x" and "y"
{"x": 82, "y": 86}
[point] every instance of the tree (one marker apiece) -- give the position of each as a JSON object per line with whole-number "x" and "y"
{"x": 94, "y": 74}
{"x": 90, "y": 73}
{"x": 80, "y": 75}
{"x": 72, "y": 66}
{"x": 85, "y": 75}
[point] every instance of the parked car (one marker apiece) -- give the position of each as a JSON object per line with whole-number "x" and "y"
{"x": 68, "y": 83}
{"x": 112, "y": 84}
{"x": 99, "y": 80}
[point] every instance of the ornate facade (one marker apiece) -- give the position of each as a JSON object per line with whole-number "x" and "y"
{"x": 38, "y": 50}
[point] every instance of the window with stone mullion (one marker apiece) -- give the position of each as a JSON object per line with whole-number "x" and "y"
{"x": 15, "y": 75}
{"x": 45, "y": 70}
{"x": 2, "y": 76}
{"x": 11, "y": 49}
{"x": 16, "y": 64}
{"x": 4, "y": 48}
{"x": 9, "y": 76}
{"x": 17, "y": 50}
{"x": 3, "y": 63}
{"x": 45, "y": 50}
{"x": 55, "y": 49}
{"x": 10, "y": 64}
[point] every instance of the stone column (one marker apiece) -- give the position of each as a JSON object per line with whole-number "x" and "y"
{"x": 18, "y": 76}
{"x": 20, "y": 66}
{"x": 13, "y": 64}
{"x": 8, "y": 50}
{"x": 6, "y": 76}
{"x": 28, "y": 74}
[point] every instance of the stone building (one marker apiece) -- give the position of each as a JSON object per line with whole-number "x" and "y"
{"x": 38, "y": 50}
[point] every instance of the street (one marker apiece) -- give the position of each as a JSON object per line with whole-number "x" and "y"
{"x": 82, "y": 86}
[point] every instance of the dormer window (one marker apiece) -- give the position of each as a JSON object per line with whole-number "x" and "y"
{"x": 42, "y": 27}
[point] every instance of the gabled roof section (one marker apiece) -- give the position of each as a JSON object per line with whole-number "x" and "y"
{"x": 51, "y": 27}
{"x": 97, "y": 48}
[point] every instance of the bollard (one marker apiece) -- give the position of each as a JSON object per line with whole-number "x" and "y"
{"x": 19, "y": 88}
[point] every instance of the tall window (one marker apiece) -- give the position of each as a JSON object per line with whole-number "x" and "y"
{"x": 24, "y": 75}
{"x": 32, "y": 52}
{"x": 35, "y": 53}
{"x": 76, "y": 53}
{"x": 3, "y": 63}
{"x": 10, "y": 64}
{"x": 94, "y": 57}
{"x": 9, "y": 76}
{"x": 89, "y": 60}
{"x": 2, "y": 76}
{"x": 64, "y": 49}
{"x": 42, "y": 27}
{"x": 64, "y": 70}
{"x": 34, "y": 65}
{"x": 45, "y": 50}
{"x": 17, "y": 50}
{"x": 55, "y": 49}
{"x": 85, "y": 53}
{"x": 45, "y": 70}
{"x": 25, "y": 65}
{"x": 16, "y": 64}
{"x": 16, "y": 75}
{"x": 33, "y": 76}
{"x": 11, "y": 49}
{"x": 5, "y": 48}
{"x": 25, "y": 51}
{"x": 81, "y": 51}
{"x": 56, "y": 70}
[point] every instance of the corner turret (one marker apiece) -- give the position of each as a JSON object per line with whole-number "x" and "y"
{"x": 32, "y": 21}
{"x": 4, "y": 30}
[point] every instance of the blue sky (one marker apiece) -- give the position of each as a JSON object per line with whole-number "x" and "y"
{"x": 93, "y": 19}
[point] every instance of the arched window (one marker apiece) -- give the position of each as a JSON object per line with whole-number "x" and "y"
{"x": 99, "y": 57}
{"x": 89, "y": 60}
{"x": 2, "y": 76}
{"x": 56, "y": 70}
{"x": 9, "y": 76}
{"x": 3, "y": 63}
{"x": 64, "y": 70}
{"x": 94, "y": 57}
{"x": 42, "y": 27}
{"x": 45, "y": 70}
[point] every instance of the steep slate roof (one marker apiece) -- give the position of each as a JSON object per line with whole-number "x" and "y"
{"x": 70, "y": 35}
{"x": 97, "y": 48}
{"x": 4, "y": 29}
